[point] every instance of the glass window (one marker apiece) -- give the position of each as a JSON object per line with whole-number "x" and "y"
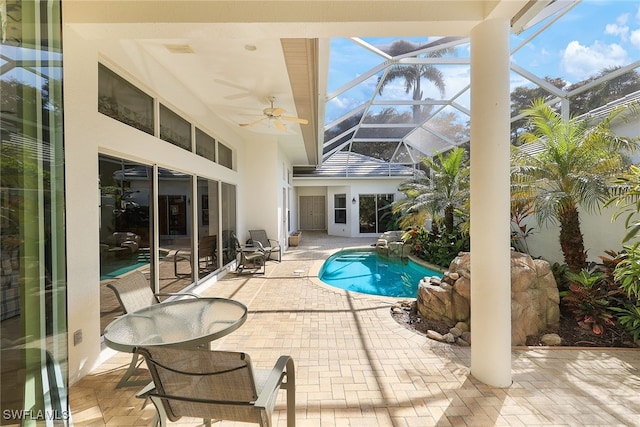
{"x": 176, "y": 229}
{"x": 33, "y": 280}
{"x": 375, "y": 213}
{"x": 340, "y": 208}
{"x": 225, "y": 156}
{"x": 208, "y": 227}
{"x": 228, "y": 220}
{"x": 174, "y": 129}
{"x": 120, "y": 100}
{"x": 205, "y": 145}
{"x": 125, "y": 226}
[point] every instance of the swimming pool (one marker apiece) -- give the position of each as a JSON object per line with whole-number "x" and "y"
{"x": 362, "y": 270}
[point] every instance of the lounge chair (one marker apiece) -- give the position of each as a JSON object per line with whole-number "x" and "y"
{"x": 133, "y": 293}
{"x": 270, "y": 246}
{"x": 218, "y": 385}
{"x": 251, "y": 257}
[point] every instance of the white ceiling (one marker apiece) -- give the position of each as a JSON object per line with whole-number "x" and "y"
{"x": 232, "y": 79}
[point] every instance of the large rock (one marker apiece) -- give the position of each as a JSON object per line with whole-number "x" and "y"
{"x": 535, "y": 301}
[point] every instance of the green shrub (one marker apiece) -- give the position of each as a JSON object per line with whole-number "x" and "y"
{"x": 627, "y": 272}
{"x": 438, "y": 249}
{"x": 629, "y": 319}
{"x": 591, "y": 295}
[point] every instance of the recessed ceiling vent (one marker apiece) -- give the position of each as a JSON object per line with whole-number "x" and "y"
{"x": 179, "y": 48}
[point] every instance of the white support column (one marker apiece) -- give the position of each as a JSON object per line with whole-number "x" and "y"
{"x": 490, "y": 196}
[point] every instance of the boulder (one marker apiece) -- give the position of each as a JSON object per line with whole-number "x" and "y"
{"x": 535, "y": 300}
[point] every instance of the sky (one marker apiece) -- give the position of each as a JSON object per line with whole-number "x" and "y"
{"x": 594, "y": 35}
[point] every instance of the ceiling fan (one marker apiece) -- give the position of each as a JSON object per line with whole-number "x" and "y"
{"x": 275, "y": 115}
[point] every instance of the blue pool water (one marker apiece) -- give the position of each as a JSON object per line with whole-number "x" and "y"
{"x": 364, "y": 271}
{"x": 118, "y": 267}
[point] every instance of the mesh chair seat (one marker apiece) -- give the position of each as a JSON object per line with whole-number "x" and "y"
{"x": 216, "y": 385}
{"x": 270, "y": 246}
{"x": 134, "y": 293}
{"x": 253, "y": 258}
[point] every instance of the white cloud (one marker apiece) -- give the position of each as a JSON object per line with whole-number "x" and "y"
{"x": 617, "y": 30}
{"x": 635, "y": 38}
{"x": 623, "y": 19}
{"x": 584, "y": 61}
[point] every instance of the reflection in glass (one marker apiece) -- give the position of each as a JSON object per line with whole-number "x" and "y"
{"x": 174, "y": 129}
{"x": 208, "y": 231}
{"x": 122, "y": 101}
{"x": 225, "y": 156}
{"x": 375, "y": 213}
{"x": 228, "y": 220}
{"x": 33, "y": 290}
{"x": 176, "y": 229}
{"x": 205, "y": 145}
{"x": 125, "y": 226}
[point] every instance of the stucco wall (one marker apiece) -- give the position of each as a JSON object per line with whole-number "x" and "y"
{"x": 88, "y": 134}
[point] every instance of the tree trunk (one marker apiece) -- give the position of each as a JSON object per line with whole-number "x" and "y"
{"x": 571, "y": 240}
{"x": 417, "y": 96}
{"x": 448, "y": 218}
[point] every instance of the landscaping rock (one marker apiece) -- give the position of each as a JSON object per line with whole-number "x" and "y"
{"x": 435, "y": 336}
{"x": 534, "y": 296}
{"x": 551, "y": 339}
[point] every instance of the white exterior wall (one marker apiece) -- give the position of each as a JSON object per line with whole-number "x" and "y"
{"x": 598, "y": 231}
{"x": 266, "y": 169}
{"x": 352, "y": 188}
{"x": 88, "y": 134}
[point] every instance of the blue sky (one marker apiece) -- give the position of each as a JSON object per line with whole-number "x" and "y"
{"x": 594, "y": 35}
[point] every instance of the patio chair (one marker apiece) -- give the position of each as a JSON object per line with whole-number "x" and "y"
{"x": 133, "y": 293}
{"x": 207, "y": 255}
{"x": 251, "y": 257}
{"x": 216, "y": 385}
{"x": 269, "y": 245}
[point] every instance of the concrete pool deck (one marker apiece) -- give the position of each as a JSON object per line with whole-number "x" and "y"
{"x": 355, "y": 366}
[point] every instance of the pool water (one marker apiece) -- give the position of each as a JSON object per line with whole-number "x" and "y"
{"x": 364, "y": 271}
{"x": 118, "y": 267}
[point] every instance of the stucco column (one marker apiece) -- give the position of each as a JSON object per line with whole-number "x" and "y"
{"x": 490, "y": 195}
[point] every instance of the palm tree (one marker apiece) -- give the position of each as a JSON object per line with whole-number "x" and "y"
{"x": 440, "y": 193}
{"x": 412, "y": 74}
{"x": 571, "y": 171}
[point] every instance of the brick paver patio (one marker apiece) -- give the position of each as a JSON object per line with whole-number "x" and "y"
{"x": 355, "y": 366}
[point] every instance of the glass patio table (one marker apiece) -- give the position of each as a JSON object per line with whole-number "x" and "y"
{"x": 185, "y": 323}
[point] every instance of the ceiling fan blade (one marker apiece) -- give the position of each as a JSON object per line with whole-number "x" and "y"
{"x": 281, "y": 127}
{"x": 295, "y": 119}
{"x": 253, "y": 123}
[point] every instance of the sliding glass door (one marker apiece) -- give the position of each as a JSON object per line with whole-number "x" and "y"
{"x": 375, "y": 212}
{"x": 33, "y": 293}
{"x": 189, "y": 227}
